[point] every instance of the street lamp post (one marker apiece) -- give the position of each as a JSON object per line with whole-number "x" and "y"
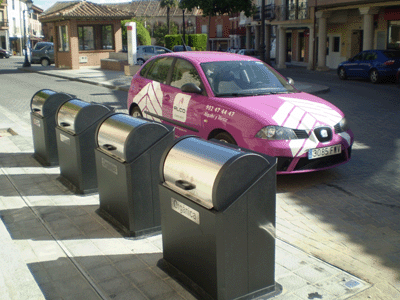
{"x": 29, "y": 4}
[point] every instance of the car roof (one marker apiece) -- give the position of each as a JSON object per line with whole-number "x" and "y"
{"x": 209, "y": 56}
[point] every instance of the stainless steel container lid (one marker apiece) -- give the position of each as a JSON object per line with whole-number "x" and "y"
{"x": 209, "y": 173}
{"x": 125, "y": 137}
{"x": 46, "y": 102}
{"x": 76, "y": 115}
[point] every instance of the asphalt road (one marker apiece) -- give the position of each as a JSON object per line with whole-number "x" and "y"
{"x": 348, "y": 216}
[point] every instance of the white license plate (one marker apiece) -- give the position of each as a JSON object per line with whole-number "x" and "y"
{"x": 326, "y": 151}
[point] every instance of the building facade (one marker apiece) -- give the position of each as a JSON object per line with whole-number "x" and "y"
{"x": 18, "y": 26}
{"x": 4, "y": 27}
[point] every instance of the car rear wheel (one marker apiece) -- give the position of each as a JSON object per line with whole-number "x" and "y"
{"x": 342, "y": 74}
{"x": 226, "y": 138}
{"x": 140, "y": 61}
{"x": 45, "y": 62}
{"x": 374, "y": 76}
{"x": 136, "y": 112}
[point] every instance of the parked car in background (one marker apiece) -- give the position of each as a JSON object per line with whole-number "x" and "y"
{"x": 398, "y": 76}
{"x": 243, "y": 101}
{"x": 43, "y": 53}
{"x": 180, "y": 48}
{"x": 145, "y": 52}
{"x": 249, "y": 52}
{"x": 376, "y": 65}
{"x": 4, "y": 53}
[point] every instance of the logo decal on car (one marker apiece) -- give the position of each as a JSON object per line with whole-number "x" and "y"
{"x": 181, "y": 103}
{"x": 302, "y": 114}
{"x": 150, "y": 99}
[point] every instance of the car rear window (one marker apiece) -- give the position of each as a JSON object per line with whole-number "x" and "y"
{"x": 392, "y": 54}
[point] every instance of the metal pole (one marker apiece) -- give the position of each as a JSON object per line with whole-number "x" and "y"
{"x": 262, "y": 48}
{"x": 183, "y": 27}
{"x": 26, "y": 62}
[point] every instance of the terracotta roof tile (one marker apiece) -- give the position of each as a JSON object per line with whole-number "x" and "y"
{"x": 83, "y": 9}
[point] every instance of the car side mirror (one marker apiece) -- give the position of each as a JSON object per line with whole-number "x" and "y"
{"x": 191, "y": 88}
{"x": 290, "y": 81}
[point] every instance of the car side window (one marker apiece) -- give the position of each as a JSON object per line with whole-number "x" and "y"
{"x": 159, "y": 69}
{"x": 184, "y": 72}
{"x": 359, "y": 57}
{"x": 161, "y": 51}
{"x": 148, "y": 49}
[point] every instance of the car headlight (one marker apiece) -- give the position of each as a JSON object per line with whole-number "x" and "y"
{"x": 276, "y": 133}
{"x": 342, "y": 126}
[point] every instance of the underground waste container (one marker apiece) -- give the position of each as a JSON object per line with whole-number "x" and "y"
{"x": 128, "y": 158}
{"x": 44, "y": 106}
{"x": 77, "y": 122}
{"x": 218, "y": 219}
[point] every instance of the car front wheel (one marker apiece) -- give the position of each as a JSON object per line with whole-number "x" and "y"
{"x": 226, "y": 138}
{"x": 45, "y": 62}
{"x": 140, "y": 61}
{"x": 342, "y": 74}
{"x": 374, "y": 76}
{"x": 136, "y": 112}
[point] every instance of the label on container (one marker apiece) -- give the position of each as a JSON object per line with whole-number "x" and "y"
{"x": 36, "y": 122}
{"x": 65, "y": 139}
{"x": 186, "y": 211}
{"x": 109, "y": 166}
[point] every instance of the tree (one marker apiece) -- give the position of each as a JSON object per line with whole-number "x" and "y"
{"x": 213, "y": 8}
{"x": 161, "y": 31}
{"x": 168, "y": 4}
{"x": 143, "y": 35}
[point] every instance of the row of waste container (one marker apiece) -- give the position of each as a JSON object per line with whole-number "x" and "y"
{"x": 214, "y": 203}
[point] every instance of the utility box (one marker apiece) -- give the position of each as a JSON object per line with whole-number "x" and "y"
{"x": 218, "y": 219}
{"x": 44, "y": 106}
{"x": 77, "y": 122}
{"x": 128, "y": 158}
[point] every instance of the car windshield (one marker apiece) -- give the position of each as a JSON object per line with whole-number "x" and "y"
{"x": 244, "y": 78}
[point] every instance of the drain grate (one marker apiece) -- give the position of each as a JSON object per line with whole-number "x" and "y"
{"x": 351, "y": 284}
{"x": 7, "y": 132}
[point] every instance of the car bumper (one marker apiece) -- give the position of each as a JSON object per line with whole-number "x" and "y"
{"x": 290, "y": 163}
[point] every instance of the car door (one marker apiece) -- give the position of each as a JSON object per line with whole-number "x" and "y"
{"x": 354, "y": 68}
{"x": 151, "y": 91}
{"x": 184, "y": 109}
{"x": 367, "y": 63}
{"x": 148, "y": 52}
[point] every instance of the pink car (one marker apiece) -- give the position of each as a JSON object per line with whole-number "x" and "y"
{"x": 243, "y": 101}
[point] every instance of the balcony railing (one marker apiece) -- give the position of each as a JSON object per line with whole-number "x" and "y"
{"x": 300, "y": 11}
{"x": 4, "y": 23}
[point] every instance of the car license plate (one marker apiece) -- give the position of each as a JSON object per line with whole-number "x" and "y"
{"x": 326, "y": 151}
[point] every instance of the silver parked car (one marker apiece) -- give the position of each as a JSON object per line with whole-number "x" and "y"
{"x": 146, "y": 52}
{"x": 43, "y": 53}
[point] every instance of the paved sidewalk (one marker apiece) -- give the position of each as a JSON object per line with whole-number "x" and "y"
{"x": 56, "y": 246}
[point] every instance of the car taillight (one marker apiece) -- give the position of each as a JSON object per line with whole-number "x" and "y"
{"x": 389, "y": 62}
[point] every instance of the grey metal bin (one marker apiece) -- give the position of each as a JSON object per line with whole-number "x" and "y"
{"x": 44, "y": 106}
{"x": 218, "y": 219}
{"x": 77, "y": 122}
{"x": 128, "y": 157}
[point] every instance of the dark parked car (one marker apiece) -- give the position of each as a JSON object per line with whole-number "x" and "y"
{"x": 249, "y": 52}
{"x": 180, "y": 48}
{"x": 373, "y": 64}
{"x": 4, "y": 53}
{"x": 43, "y": 54}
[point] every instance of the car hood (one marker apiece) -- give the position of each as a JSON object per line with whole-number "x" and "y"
{"x": 296, "y": 110}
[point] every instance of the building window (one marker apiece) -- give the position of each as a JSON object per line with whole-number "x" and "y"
{"x": 86, "y": 37}
{"x": 13, "y": 4}
{"x": 63, "y": 42}
{"x": 394, "y": 35}
{"x": 336, "y": 44}
{"x": 107, "y": 37}
{"x": 203, "y": 28}
{"x": 219, "y": 30}
{"x": 297, "y": 9}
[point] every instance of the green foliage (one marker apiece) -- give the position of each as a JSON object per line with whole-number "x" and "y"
{"x": 161, "y": 31}
{"x": 168, "y": 4}
{"x": 172, "y": 40}
{"x": 198, "y": 41}
{"x": 143, "y": 35}
{"x": 220, "y": 7}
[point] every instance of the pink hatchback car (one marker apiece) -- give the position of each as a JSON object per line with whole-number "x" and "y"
{"x": 243, "y": 101}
